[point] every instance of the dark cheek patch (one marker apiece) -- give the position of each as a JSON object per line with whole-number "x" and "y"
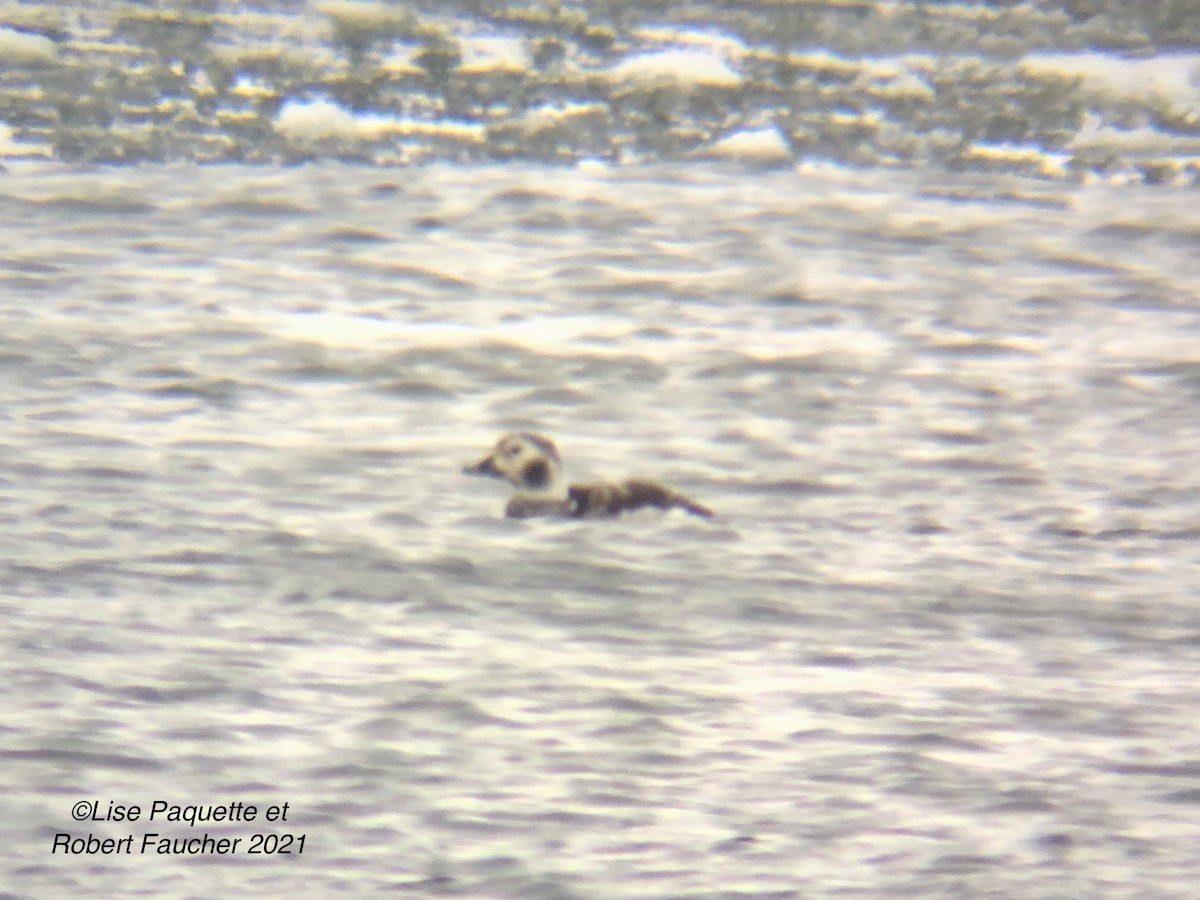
{"x": 536, "y": 474}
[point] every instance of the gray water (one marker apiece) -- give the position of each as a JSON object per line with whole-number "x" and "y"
{"x": 1061, "y": 89}
{"x": 942, "y": 639}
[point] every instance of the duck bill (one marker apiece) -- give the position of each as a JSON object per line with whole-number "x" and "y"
{"x": 486, "y": 466}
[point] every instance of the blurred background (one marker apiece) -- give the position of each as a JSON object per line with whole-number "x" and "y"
{"x": 906, "y": 292}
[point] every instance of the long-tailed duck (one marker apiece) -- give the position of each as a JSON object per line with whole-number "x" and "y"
{"x": 531, "y": 464}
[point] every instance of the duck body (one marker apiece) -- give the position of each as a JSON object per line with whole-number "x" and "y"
{"x": 531, "y": 464}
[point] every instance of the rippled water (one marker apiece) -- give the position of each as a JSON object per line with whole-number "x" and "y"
{"x": 1059, "y": 89}
{"x": 942, "y": 640}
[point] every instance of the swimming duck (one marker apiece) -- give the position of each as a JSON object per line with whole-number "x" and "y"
{"x": 531, "y": 464}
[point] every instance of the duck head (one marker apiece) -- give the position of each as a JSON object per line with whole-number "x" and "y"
{"x": 528, "y": 461}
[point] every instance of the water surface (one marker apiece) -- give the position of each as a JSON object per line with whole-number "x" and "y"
{"x": 941, "y": 640}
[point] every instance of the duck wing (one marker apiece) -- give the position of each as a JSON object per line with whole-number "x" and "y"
{"x": 604, "y": 498}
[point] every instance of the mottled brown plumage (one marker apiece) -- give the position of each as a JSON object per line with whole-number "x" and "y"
{"x": 531, "y": 463}
{"x": 604, "y": 498}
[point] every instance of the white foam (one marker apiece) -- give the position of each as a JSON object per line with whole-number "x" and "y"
{"x": 21, "y": 49}
{"x": 1175, "y": 77}
{"x": 694, "y": 67}
{"x": 315, "y": 119}
{"x": 762, "y": 145}
{"x": 712, "y": 42}
{"x": 1026, "y": 156}
{"x": 322, "y": 118}
{"x": 493, "y": 53}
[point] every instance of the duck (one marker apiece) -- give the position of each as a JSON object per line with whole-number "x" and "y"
{"x": 531, "y": 463}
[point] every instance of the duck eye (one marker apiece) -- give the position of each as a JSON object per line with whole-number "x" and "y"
{"x": 513, "y": 451}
